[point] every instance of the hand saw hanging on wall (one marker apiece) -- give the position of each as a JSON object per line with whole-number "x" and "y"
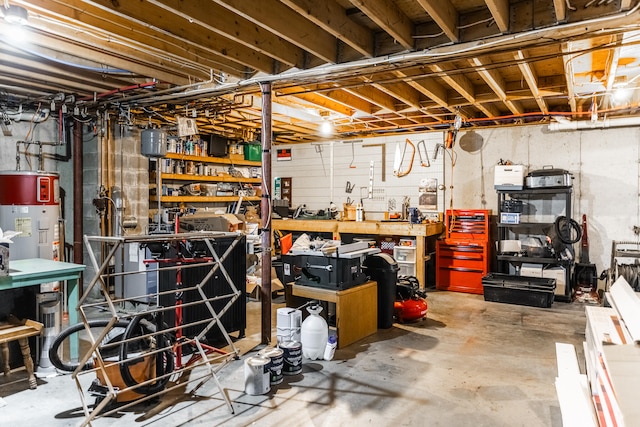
{"x": 399, "y": 158}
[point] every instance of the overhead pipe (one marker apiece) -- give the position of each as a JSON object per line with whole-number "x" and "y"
{"x": 567, "y": 125}
{"x": 78, "y": 213}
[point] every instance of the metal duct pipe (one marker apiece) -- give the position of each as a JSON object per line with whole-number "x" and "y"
{"x": 41, "y": 115}
{"x": 598, "y": 124}
{"x": 78, "y": 212}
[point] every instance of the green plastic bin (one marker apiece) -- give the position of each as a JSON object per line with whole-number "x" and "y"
{"x": 253, "y": 152}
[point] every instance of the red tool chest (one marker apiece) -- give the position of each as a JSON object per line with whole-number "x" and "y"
{"x": 462, "y": 257}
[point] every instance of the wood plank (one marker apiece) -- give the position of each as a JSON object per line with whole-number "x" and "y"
{"x": 227, "y": 24}
{"x": 286, "y": 23}
{"x": 332, "y": 17}
{"x": 78, "y": 11}
{"x": 390, "y": 18}
{"x": 444, "y": 14}
{"x": 158, "y": 18}
{"x": 560, "y": 8}
{"x": 500, "y": 11}
{"x": 530, "y": 77}
{"x": 493, "y": 78}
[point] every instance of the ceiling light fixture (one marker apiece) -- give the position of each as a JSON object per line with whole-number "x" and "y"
{"x": 15, "y": 15}
{"x": 326, "y": 128}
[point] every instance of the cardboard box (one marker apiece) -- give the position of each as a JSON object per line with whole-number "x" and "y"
{"x": 557, "y": 273}
{"x": 531, "y": 270}
{"x": 509, "y": 218}
{"x": 212, "y": 222}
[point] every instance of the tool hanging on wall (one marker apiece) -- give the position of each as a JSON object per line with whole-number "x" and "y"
{"x": 451, "y": 136}
{"x": 353, "y": 157}
{"x": 383, "y": 147}
{"x": 399, "y": 158}
{"x": 423, "y": 154}
{"x": 349, "y": 187}
{"x": 370, "y": 188}
{"x": 319, "y": 149}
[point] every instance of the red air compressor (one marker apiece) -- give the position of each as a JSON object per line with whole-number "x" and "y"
{"x": 410, "y": 304}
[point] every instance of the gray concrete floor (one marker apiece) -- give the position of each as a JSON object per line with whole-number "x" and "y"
{"x": 470, "y": 363}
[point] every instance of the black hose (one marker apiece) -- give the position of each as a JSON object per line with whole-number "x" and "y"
{"x": 164, "y": 359}
{"x": 564, "y": 227}
{"x": 71, "y": 367}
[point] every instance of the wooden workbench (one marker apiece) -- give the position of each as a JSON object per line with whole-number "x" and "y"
{"x": 380, "y": 228}
{"x": 356, "y": 309}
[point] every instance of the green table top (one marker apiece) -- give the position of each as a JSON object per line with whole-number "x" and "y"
{"x": 27, "y": 272}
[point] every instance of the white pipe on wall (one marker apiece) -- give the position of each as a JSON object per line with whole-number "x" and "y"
{"x": 598, "y": 124}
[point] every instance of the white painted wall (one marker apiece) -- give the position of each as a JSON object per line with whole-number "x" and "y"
{"x": 604, "y": 163}
{"x": 312, "y": 172}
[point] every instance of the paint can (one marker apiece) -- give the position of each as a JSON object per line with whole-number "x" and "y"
{"x": 292, "y": 357}
{"x": 256, "y": 375}
{"x": 288, "y": 324}
{"x": 276, "y": 362}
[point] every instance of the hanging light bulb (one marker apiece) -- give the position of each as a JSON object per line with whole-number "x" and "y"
{"x": 15, "y": 15}
{"x": 326, "y": 128}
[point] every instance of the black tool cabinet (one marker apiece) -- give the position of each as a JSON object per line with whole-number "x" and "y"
{"x": 539, "y": 210}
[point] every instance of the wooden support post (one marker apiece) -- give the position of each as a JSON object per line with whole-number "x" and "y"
{"x": 265, "y": 214}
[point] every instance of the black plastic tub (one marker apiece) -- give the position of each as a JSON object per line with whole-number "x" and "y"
{"x": 532, "y": 291}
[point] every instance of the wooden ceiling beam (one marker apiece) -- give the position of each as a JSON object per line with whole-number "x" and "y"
{"x": 401, "y": 92}
{"x": 444, "y": 14}
{"x": 530, "y": 77}
{"x": 500, "y": 11}
{"x": 227, "y": 24}
{"x": 93, "y": 19}
{"x": 374, "y": 96}
{"x": 350, "y": 101}
{"x": 321, "y": 101}
{"x": 108, "y": 54}
{"x": 560, "y": 8}
{"x": 625, "y": 4}
{"x": 496, "y": 83}
{"x": 390, "y": 18}
{"x": 158, "y": 18}
{"x": 281, "y": 20}
{"x": 332, "y": 18}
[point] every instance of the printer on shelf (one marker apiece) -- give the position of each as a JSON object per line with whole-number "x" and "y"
{"x": 508, "y": 177}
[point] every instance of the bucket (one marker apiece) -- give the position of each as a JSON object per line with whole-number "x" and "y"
{"x": 288, "y": 324}
{"x": 276, "y": 362}
{"x": 256, "y": 375}
{"x": 292, "y": 357}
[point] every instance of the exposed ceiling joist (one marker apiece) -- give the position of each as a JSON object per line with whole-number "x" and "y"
{"x": 530, "y": 77}
{"x": 496, "y": 83}
{"x": 500, "y": 11}
{"x": 331, "y": 17}
{"x": 390, "y": 18}
{"x": 444, "y": 14}
{"x": 560, "y": 8}
{"x": 286, "y": 23}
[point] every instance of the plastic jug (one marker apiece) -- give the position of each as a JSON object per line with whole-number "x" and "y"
{"x": 315, "y": 334}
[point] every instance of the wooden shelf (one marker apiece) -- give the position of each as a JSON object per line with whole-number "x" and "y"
{"x": 209, "y": 178}
{"x": 208, "y": 159}
{"x": 203, "y": 199}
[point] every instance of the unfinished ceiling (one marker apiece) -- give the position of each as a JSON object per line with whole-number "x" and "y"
{"x": 367, "y": 67}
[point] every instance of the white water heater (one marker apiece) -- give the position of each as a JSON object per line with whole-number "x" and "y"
{"x": 30, "y": 203}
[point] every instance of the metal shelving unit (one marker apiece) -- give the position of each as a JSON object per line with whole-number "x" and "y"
{"x": 541, "y": 207}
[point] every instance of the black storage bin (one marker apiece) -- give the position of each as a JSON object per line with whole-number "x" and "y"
{"x": 383, "y": 269}
{"x": 522, "y": 290}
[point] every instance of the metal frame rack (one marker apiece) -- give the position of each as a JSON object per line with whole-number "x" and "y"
{"x": 193, "y": 250}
